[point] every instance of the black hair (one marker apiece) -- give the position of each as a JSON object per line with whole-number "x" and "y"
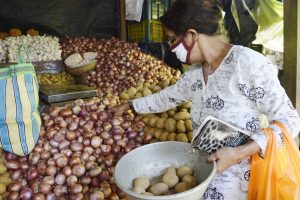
{"x": 201, "y": 15}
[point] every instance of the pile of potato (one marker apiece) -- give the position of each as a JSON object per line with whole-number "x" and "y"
{"x": 5, "y": 179}
{"x": 173, "y": 125}
{"x": 145, "y": 89}
{"x": 55, "y": 79}
{"x": 172, "y": 182}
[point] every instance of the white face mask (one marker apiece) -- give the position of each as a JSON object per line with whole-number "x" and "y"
{"x": 182, "y": 51}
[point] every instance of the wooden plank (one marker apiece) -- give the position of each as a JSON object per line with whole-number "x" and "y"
{"x": 290, "y": 48}
{"x": 123, "y": 20}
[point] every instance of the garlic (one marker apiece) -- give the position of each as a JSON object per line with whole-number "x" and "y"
{"x": 42, "y": 48}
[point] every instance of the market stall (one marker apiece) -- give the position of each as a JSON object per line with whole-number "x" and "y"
{"x": 82, "y": 74}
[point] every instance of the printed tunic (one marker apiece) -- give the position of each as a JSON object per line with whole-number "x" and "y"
{"x": 241, "y": 89}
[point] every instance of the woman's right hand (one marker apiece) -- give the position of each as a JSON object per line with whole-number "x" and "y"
{"x": 119, "y": 110}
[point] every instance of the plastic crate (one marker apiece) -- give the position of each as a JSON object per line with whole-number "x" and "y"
{"x": 139, "y": 32}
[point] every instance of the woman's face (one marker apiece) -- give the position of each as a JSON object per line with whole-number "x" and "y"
{"x": 183, "y": 45}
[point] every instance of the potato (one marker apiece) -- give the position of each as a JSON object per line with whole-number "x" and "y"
{"x": 164, "y": 136}
{"x": 158, "y": 133}
{"x": 186, "y": 105}
{"x": 188, "y": 125}
{"x": 146, "y": 92}
{"x": 170, "y": 125}
{"x": 138, "y": 189}
{"x": 171, "y": 112}
{"x": 172, "y": 137}
{"x": 138, "y": 95}
{"x": 142, "y": 182}
{"x": 159, "y": 189}
{"x": 146, "y": 119}
{"x": 147, "y": 194}
{"x": 191, "y": 180}
{"x": 124, "y": 96}
{"x": 2, "y": 188}
{"x": 170, "y": 178}
{"x": 164, "y": 115}
{"x": 181, "y": 126}
{"x": 156, "y": 89}
{"x": 164, "y": 83}
{"x": 182, "y": 116}
{"x": 182, "y": 137}
{"x": 131, "y": 92}
{"x": 5, "y": 180}
{"x": 147, "y": 84}
{"x": 153, "y": 120}
{"x": 3, "y": 169}
{"x": 190, "y": 136}
{"x": 182, "y": 187}
{"x": 184, "y": 170}
{"x": 151, "y": 130}
{"x": 139, "y": 87}
{"x": 160, "y": 123}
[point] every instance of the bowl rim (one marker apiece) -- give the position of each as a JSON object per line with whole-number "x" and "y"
{"x": 127, "y": 191}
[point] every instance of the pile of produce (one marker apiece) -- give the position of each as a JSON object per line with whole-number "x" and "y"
{"x": 15, "y": 32}
{"x": 173, "y": 125}
{"x": 55, "y": 79}
{"x": 42, "y": 48}
{"x": 173, "y": 181}
{"x": 121, "y": 65}
{"x": 5, "y": 179}
{"x": 76, "y": 153}
{"x": 143, "y": 90}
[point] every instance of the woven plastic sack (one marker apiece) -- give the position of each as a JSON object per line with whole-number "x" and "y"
{"x": 277, "y": 176}
{"x": 19, "y": 118}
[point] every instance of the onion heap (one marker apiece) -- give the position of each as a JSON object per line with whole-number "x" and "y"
{"x": 121, "y": 65}
{"x": 76, "y": 153}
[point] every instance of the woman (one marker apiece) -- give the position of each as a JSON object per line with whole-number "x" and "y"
{"x": 239, "y": 79}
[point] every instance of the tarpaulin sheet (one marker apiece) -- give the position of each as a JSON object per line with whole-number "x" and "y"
{"x": 99, "y": 18}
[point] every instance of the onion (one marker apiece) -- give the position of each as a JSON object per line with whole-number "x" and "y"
{"x": 95, "y": 171}
{"x": 96, "y": 195}
{"x": 60, "y": 179}
{"x": 67, "y": 171}
{"x": 76, "y": 110}
{"x": 49, "y": 180}
{"x": 45, "y": 188}
{"x": 107, "y": 126}
{"x": 32, "y": 173}
{"x": 38, "y": 196}
{"x": 13, "y": 196}
{"x": 104, "y": 116}
{"x": 76, "y": 146}
{"x": 15, "y": 186}
{"x": 105, "y": 135}
{"x": 12, "y": 165}
{"x": 78, "y": 170}
{"x": 61, "y": 162}
{"x": 51, "y": 171}
{"x": 66, "y": 112}
{"x": 76, "y": 188}
{"x": 85, "y": 180}
{"x": 50, "y": 196}
{"x": 16, "y": 174}
{"x": 117, "y": 130}
{"x": 96, "y": 142}
{"x": 60, "y": 190}
{"x": 106, "y": 149}
{"x": 71, "y": 180}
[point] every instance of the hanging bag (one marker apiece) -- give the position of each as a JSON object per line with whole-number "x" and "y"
{"x": 277, "y": 176}
{"x": 19, "y": 118}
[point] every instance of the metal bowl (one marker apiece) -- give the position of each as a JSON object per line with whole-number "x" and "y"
{"x": 152, "y": 160}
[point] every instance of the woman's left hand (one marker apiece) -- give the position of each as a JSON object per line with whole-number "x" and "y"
{"x": 228, "y": 156}
{"x": 225, "y": 158}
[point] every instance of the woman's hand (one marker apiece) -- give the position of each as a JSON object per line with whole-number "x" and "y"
{"x": 225, "y": 158}
{"x": 228, "y": 156}
{"x": 119, "y": 110}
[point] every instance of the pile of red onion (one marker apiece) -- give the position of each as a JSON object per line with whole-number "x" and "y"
{"x": 76, "y": 156}
{"x": 121, "y": 65}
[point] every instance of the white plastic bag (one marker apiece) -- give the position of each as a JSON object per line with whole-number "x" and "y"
{"x": 134, "y": 9}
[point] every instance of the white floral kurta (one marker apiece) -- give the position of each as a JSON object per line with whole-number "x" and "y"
{"x": 241, "y": 89}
